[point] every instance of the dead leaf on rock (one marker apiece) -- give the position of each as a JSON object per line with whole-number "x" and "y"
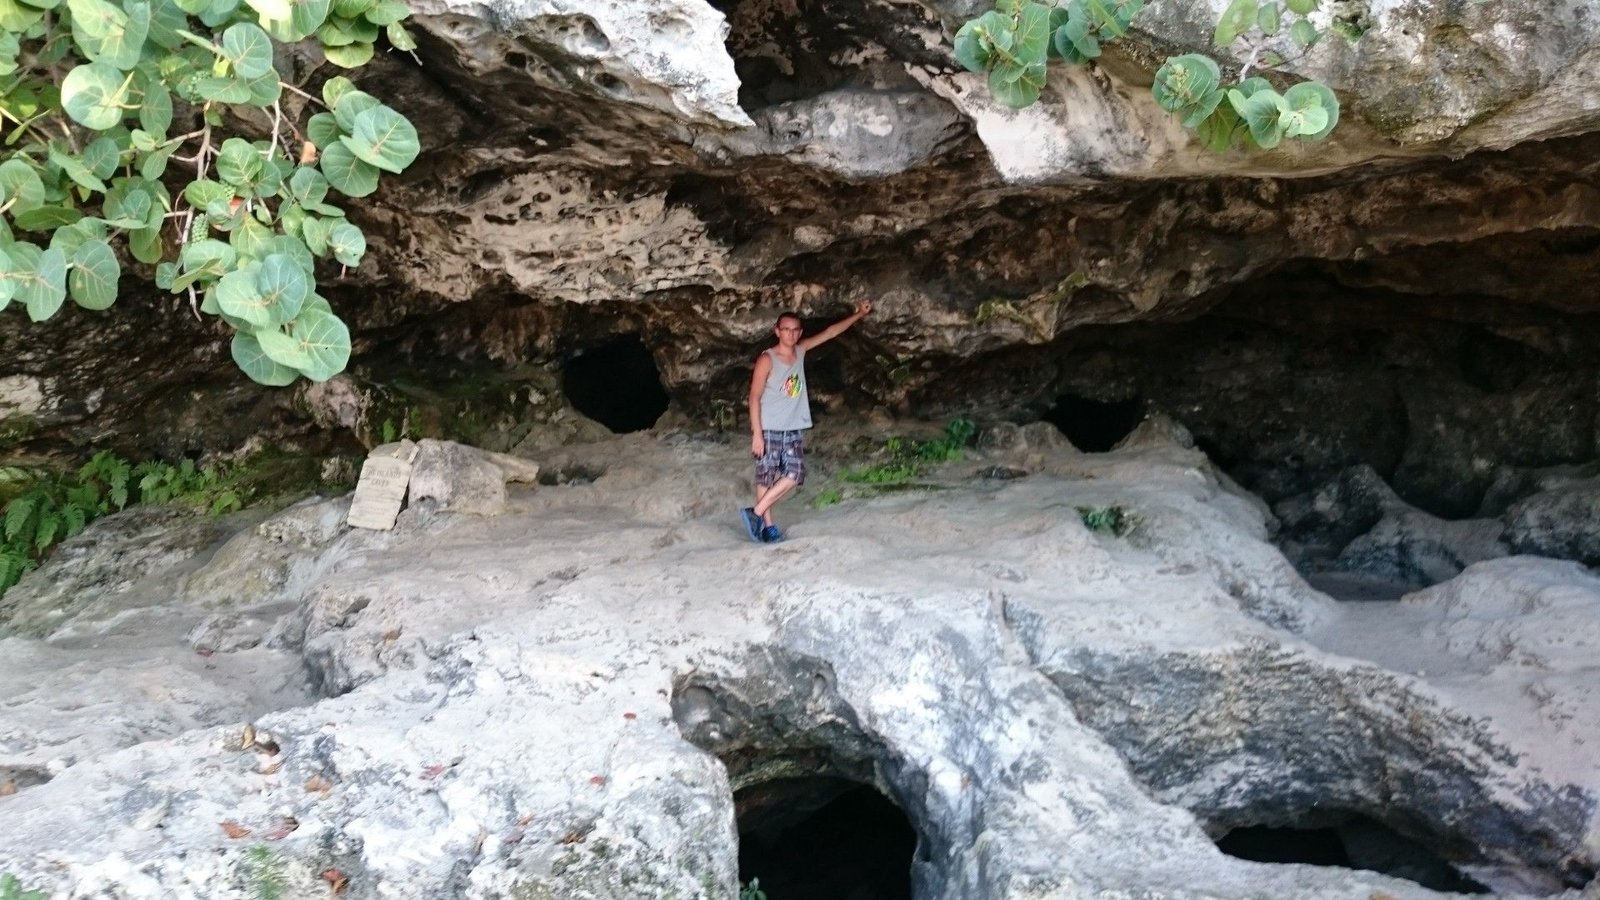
{"x": 317, "y": 784}
{"x": 1380, "y": 895}
{"x": 522, "y": 822}
{"x": 248, "y": 738}
{"x": 234, "y": 829}
{"x": 433, "y": 772}
{"x": 204, "y": 651}
{"x": 630, "y": 716}
{"x": 286, "y": 827}
{"x": 335, "y": 880}
{"x": 577, "y": 835}
{"x": 598, "y": 781}
{"x": 8, "y": 788}
{"x": 391, "y": 635}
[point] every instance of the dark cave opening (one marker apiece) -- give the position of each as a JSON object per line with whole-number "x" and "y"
{"x": 784, "y": 52}
{"x": 1357, "y": 843}
{"x": 824, "y": 838}
{"x": 1094, "y": 426}
{"x": 616, "y": 384}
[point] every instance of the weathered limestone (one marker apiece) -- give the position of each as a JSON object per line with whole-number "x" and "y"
{"x": 533, "y": 704}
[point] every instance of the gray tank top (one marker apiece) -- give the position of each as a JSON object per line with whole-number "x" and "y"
{"x": 785, "y": 405}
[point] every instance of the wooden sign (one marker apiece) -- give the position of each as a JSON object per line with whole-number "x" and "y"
{"x": 379, "y": 492}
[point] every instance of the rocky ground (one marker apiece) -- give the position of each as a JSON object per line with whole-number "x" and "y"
{"x": 558, "y": 701}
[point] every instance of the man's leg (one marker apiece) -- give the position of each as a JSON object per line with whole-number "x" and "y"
{"x": 767, "y": 498}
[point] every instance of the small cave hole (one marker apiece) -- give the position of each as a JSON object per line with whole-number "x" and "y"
{"x": 1094, "y": 426}
{"x": 823, "y": 838}
{"x": 617, "y": 384}
{"x": 1357, "y": 843}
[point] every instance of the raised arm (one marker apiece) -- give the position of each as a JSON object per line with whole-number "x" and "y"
{"x": 758, "y": 383}
{"x": 837, "y": 328}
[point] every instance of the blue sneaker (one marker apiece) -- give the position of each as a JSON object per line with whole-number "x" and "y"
{"x": 771, "y": 535}
{"x": 752, "y": 523}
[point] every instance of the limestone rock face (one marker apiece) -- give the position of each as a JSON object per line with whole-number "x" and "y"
{"x": 560, "y": 700}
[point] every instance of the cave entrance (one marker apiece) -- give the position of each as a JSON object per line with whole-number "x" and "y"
{"x": 1094, "y": 426}
{"x": 616, "y": 384}
{"x": 1357, "y": 843}
{"x": 823, "y": 838}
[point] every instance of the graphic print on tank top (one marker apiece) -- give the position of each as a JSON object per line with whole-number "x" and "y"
{"x": 791, "y": 385}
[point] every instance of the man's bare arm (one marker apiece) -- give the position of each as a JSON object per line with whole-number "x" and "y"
{"x": 758, "y": 383}
{"x": 837, "y": 328}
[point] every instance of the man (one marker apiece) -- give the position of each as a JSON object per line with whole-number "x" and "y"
{"x": 780, "y": 412}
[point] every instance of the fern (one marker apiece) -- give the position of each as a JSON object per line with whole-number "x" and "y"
{"x": 19, "y": 514}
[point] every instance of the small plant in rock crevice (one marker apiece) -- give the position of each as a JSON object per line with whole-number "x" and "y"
{"x": 12, "y": 889}
{"x": 1113, "y": 519}
{"x": 905, "y": 460}
{"x": 266, "y": 871}
{"x": 752, "y": 890}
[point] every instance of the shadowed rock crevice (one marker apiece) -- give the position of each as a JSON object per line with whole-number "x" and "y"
{"x": 824, "y": 839}
{"x": 617, "y": 384}
{"x": 1355, "y": 843}
{"x": 1269, "y": 737}
{"x": 1094, "y": 426}
{"x": 789, "y": 741}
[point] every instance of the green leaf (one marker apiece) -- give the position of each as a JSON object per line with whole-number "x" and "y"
{"x": 1020, "y": 93}
{"x": 205, "y": 259}
{"x": 271, "y": 10}
{"x": 348, "y": 175}
{"x": 146, "y": 246}
{"x": 1260, "y": 111}
{"x": 324, "y": 341}
{"x": 385, "y": 139}
{"x": 107, "y": 34}
{"x": 250, "y": 358}
{"x": 76, "y": 170}
{"x": 305, "y": 17}
{"x": 238, "y": 163}
{"x": 1303, "y": 33}
{"x": 20, "y": 185}
{"x": 18, "y": 18}
{"x": 1076, "y": 40}
{"x": 39, "y": 276}
{"x": 264, "y": 89}
{"x": 386, "y": 12}
{"x": 314, "y": 232}
{"x": 93, "y": 279}
{"x": 1186, "y": 81}
{"x": 322, "y": 129}
{"x": 238, "y": 296}
{"x": 69, "y": 238}
{"x": 101, "y": 157}
{"x": 351, "y": 9}
{"x": 971, "y": 50}
{"x": 347, "y": 243}
{"x": 1270, "y": 17}
{"x": 1308, "y": 95}
{"x": 351, "y": 56}
{"x": 1238, "y": 18}
{"x": 399, "y": 37}
{"x": 308, "y": 187}
{"x": 223, "y": 90}
{"x": 1220, "y": 130}
{"x": 202, "y": 192}
{"x": 1199, "y": 112}
{"x": 283, "y": 286}
{"x": 250, "y": 239}
{"x": 352, "y": 104}
{"x": 1302, "y": 7}
{"x": 248, "y": 48}
{"x": 46, "y": 218}
{"x": 334, "y": 89}
{"x": 8, "y": 285}
{"x": 93, "y": 95}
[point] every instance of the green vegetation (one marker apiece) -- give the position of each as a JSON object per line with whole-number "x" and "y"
{"x": 90, "y": 91}
{"x": 752, "y": 891}
{"x": 40, "y": 509}
{"x": 905, "y": 461}
{"x": 1014, "y": 42}
{"x": 1107, "y": 519}
{"x": 12, "y": 889}
{"x": 266, "y": 873}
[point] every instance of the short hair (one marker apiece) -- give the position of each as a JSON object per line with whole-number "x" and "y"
{"x": 788, "y": 315}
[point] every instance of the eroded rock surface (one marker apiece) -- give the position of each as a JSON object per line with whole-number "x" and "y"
{"x": 558, "y": 701}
